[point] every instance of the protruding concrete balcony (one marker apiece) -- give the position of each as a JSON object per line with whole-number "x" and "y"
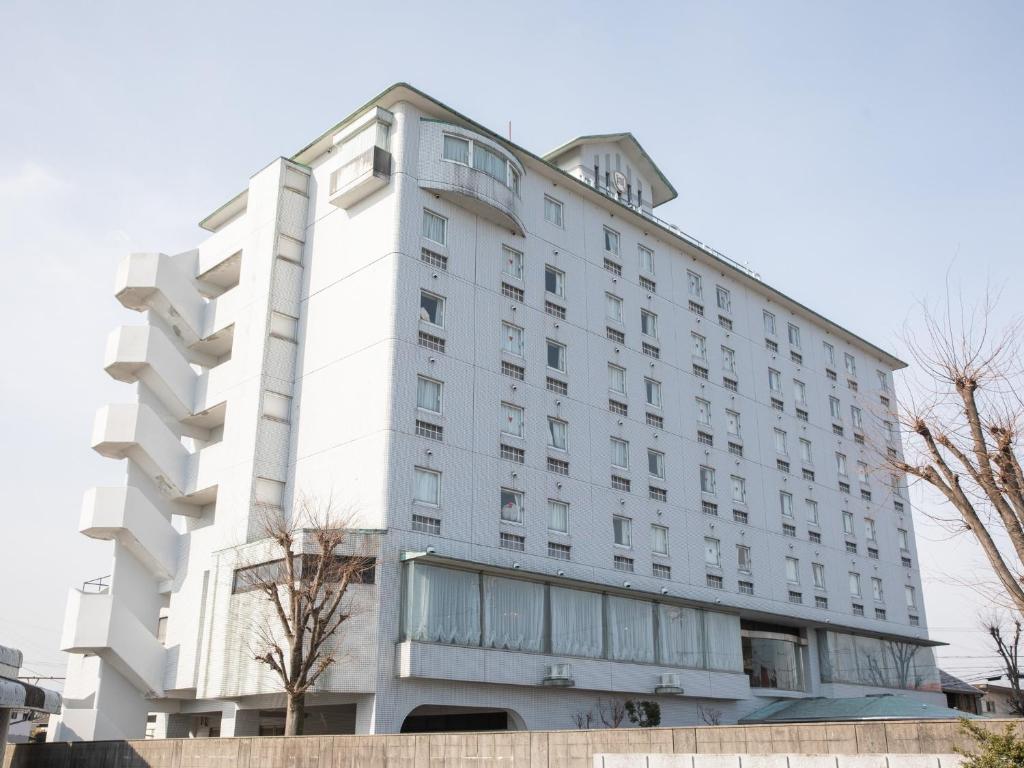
{"x": 145, "y": 353}
{"x": 124, "y": 515}
{"x": 135, "y": 432}
{"x": 155, "y": 282}
{"x": 98, "y": 624}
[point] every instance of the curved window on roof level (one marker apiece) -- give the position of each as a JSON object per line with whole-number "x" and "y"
{"x": 457, "y": 149}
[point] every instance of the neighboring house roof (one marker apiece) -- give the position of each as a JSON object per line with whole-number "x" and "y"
{"x": 994, "y": 688}
{"x": 662, "y": 190}
{"x": 883, "y": 707}
{"x": 951, "y": 684}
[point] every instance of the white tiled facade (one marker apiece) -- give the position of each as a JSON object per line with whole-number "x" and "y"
{"x": 282, "y": 356}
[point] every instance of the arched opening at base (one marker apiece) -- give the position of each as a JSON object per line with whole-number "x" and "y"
{"x": 439, "y": 719}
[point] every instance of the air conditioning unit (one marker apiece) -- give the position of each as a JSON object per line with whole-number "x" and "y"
{"x": 558, "y": 676}
{"x": 669, "y": 682}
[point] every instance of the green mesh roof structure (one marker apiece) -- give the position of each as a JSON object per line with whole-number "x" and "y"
{"x": 882, "y": 707}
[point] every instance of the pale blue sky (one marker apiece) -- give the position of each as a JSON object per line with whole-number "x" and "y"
{"x": 849, "y": 151}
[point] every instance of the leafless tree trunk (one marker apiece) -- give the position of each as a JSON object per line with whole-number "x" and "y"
{"x": 1008, "y": 647}
{"x": 963, "y": 424}
{"x": 611, "y": 712}
{"x": 306, "y": 584}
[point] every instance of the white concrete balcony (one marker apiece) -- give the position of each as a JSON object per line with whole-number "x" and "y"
{"x": 97, "y": 624}
{"x": 144, "y": 353}
{"x": 124, "y": 515}
{"x": 134, "y": 431}
{"x": 154, "y": 282}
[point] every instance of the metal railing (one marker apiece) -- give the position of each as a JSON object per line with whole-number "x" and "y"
{"x": 97, "y": 586}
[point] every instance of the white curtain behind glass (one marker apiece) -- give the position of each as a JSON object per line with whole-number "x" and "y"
{"x": 513, "y": 614}
{"x": 442, "y": 605}
{"x": 575, "y": 622}
{"x": 427, "y": 487}
{"x": 680, "y": 636}
{"x": 722, "y": 636}
{"x": 630, "y": 629}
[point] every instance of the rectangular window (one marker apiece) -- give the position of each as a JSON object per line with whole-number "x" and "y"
{"x": 651, "y": 351}
{"x": 728, "y": 360}
{"x": 616, "y": 379}
{"x": 883, "y": 380}
{"x": 556, "y": 356}
{"x": 709, "y": 508}
{"x": 851, "y": 364}
{"x": 855, "y": 584}
{"x": 848, "y": 523}
{"x": 830, "y": 353}
{"x": 622, "y": 531}
{"x": 513, "y": 371}
{"x": 805, "y": 451}
{"x": 512, "y": 541}
{"x": 796, "y": 357}
{"x": 428, "y": 430}
{"x": 657, "y": 494}
{"x": 649, "y": 323}
{"x": 700, "y": 372}
{"x": 655, "y": 463}
{"x": 511, "y": 419}
{"x": 834, "y": 408}
{"x": 732, "y": 423}
{"x": 511, "y": 506}
{"x": 558, "y": 516}
{"x": 456, "y": 149}
{"x": 769, "y": 323}
{"x": 856, "y": 418}
{"x": 811, "y": 507}
{"x": 780, "y": 442}
{"x": 430, "y": 341}
{"x": 731, "y": 384}
{"x": 740, "y": 516}
{"x": 646, "y": 259}
{"x": 559, "y": 551}
{"x": 558, "y": 466}
{"x": 661, "y": 571}
{"x": 623, "y": 563}
{"x": 739, "y": 489}
{"x": 432, "y": 309}
{"x": 613, "y": 307}
{"x": 903, "y": 539}
{"x": 880, "y": 613}
{"x": 558, "y": 434}
{"x": 424, "y": 524}
{"x": 269, "y": 493}
{"x": 794, "y": 335}
{"x": 735, "y": 449}
{"x": 695, "y": 285}
{"x": 427, "y": 487}
{"x": 814, "y": 537}
{"x": 723, "y": 298}
{"x": 707, "y": 480}
{"x": 820, "y": 601}
{"x": 616, "y": 407}
{"x": 743, "y": 562}
{"x": 615, "y": 335}
{"x": 277, "y": 406}
{"x": 876, "y": 590}
{"x": 554, "y": 281}
{"x": 512, "y": 339}
{"x": 705, "y": 438}
{"x": 771, "y": 346}
{"x": 611, "y": 241}
{"x": 703, "y": 412}
{"x": 652, "y": 390}
{"x": 552, "y": 211}
{"x": 713, "y": 580}
{"x": 786, "y": 504}
{"x": 910, "y": 595}
{"x": 659, "y": 540}
{"x": 774, "y": 380}
{"x": 432, "y": 259}
{"x": 745, "y": 587}
{"x": 792, "y": 570}
{"x": 512, "y": 264}
{"x": 700, "y": 346}
{"x": 648, "y": 285}
{"x": 554, "y": 310}
{"x": 799, "y": 391}
{"x": 696, "y": 308}
{"x": 858, "y": 610}
{"x": 656, "y": 421}
{"x": 511, "y": 453}
{"x": 516, "y": 294}
{"x": 435, "y": 227}
{"x": 612, "y": 267}
{"x": 620, "y": 483}
{"x": 841, "y": 464}
{"x": 712, "y": 552}
{"x": 818, "y": 571}
{"x": 620, "y": 453}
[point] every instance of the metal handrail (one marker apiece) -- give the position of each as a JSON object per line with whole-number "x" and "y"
{"x": 99, "y": 585}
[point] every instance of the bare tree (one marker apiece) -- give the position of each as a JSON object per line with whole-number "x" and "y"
{"x": 306, "y": 586}
{"x": 709, "y": 715}
{"x": 963, "y": 423}
{"x": 1008, "y": 646}
{"x": 583, "y": 719}
{"x": 611, "y": 712}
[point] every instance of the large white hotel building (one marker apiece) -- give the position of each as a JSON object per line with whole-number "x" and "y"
{"x": 590, "y": 455}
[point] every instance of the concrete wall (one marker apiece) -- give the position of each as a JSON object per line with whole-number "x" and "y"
{"x": 538, "y": 749}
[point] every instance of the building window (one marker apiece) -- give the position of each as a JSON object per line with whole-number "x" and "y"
{"x": 620, "y": 453}
{"x": 851, "y": 364}
{"x": 432, "y": 309}
{"x": 700, "y": 346}
{"x": 739, "y": 489}
{"x": 854, "y": 584}
{"x": 656, "y": 421}
{"x": 880, "y": 613}
{"x": 745, "y": 587}
{"x": 512, "y": 264}
{"x": 427, "y": 487}
{"x": 703, "y": 412}
{"x": 424, "y": 524}
{"x": 723, "y": 298}
{"x": 611, "y": 241}
{"x": 646, "y": 259}
{"x": 695, "y": 285}
{"x": 620, "y": 483}
{"x": 556, "y": 356}
{"x": 656, "y": 463}
{"x": 559, "y": 551}
{"x": 696, "y": 308}
{"x": 649, "y": 323}
{"x": 713, "y": 580}
{"x": 858, "y": 609}
{"x": 771, "y": 346}
{"x": 615, "y": 335}
{"x": 554, "y": 281}
{"x": 712, "y": 552}
{"x": 876, "y": 590}
{"x": 812, "y": 511}
{"x": 616, "y": 407}
{"x": 552, "y": 211}
{"x": 659, "y": 540}
{"x": 435, "y": 227}
{"x": 432, "y": 259}
{"x": 743, "y": 562}
{"x": 652, "y": 390}
{"x": 647, "y": 284}
{"x": 805, "y": 451}
{"x": 707, "y": 480}
{"x": 705, "y": 438}
{"x": 830, "y": 353}
{"x": 740, "y": 516}
{"x": 786, "y": 503}
{"x": 558, "y": 516}
{"x": 789, "y": 530}
{"x": 510, "y": 291}
{"x": 818, "y": 572}
{"x": 554, "y": 310}
{"x": 774, "y": 380}
{"x": 512, "y": 339}
{"x": 794, "y": 335}
{"x": 512, "y": 541}
{"x": 511, "y": 453}
{"x": 814, "y": 537}
{"x": 651, "y": 351}
{"x": 781, "y": 443}
{"x": 456, "y": 149}
{"x": 514, "y": 371}
{"x": 511, "y": 420}
{"x": 622, "y": 563}
{"x": 848, "y": 523}
{"x": 709, "y": 508}
{"x": 799, "y": 391}
{"x": 903, "y": 539}
{"x": 612, "y": 267}
{"x": 769, "y": 323}
{"x": 841, "y": 464}
{"x": 661, "y": 571}
{"x": 511, "y": 506}
{"x": 616, "y": 379}
{"x": 558, "y": 466}
{"x": 428, "y": 430}
{"x": 728, "y": 360}
{"x": 657, "y": 494}
{"x": 558, "y": 434}
{"x": 732, "y": 423}
{"x": 622, "y": 531}
{"x": 429, "y": 341}
{"x": 792, "y": 570}
{"x": 613, "y": 307}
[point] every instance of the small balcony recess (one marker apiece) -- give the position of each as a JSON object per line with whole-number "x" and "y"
{"x": 134, "y": 431}
{"x": 363, "y": 157}
{"x": 97, "y": 624}
{"x": 124, "y": 515}
{"x": 156, "y": 282}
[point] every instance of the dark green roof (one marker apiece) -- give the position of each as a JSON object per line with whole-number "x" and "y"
{"x": 883, "y": 707}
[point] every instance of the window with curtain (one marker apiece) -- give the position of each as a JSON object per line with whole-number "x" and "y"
{"x": 442, "y": 605}
{"x": 846, "y": 658}
{"x": 656, "y": 463}
{"x": 428, "y": 394}
{"x": 613, "y": 307}
{"x": 427, "y": 487}
{"x": 630, "y": 629}
{"x": 512, "y": 339}
{"x": 511, "y": 419}
{"x": 680, "y": 636}
{"x": 722, "y": 637}
{"x": 511, "y": 506}
{"x": 490, "y": 163}
{"x": 552, "y": 211}
{"x": 456, "y": 149}
{"x": 653, "y": 391}
{"x": 558, "y": 432}
{"x": 619, "y": 453}
{"x": 616, "y": 379}
{"x": 513, "y": 614}
{"x": 659, "y": 539}
{"x": 512, "y": 263}
{"x": 558, "y": 516}
{"x": 435, "y": 227}
{"x": 576, "y": 623}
